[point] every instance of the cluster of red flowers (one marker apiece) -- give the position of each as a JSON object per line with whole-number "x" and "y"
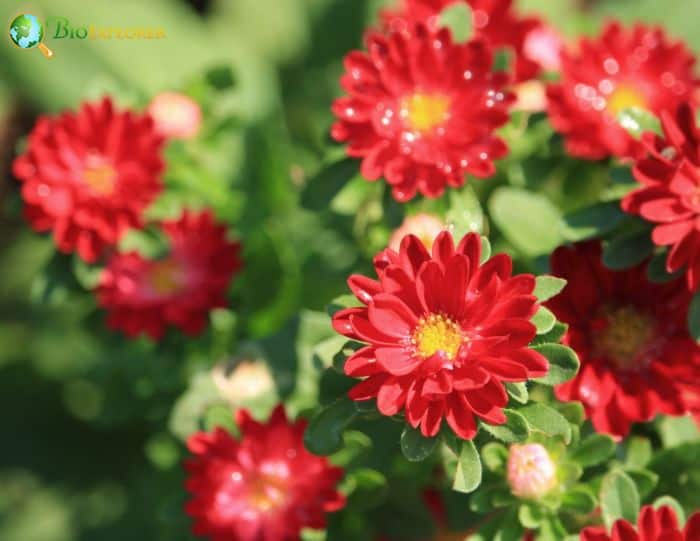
{"x": 89, "y": 176}
{"x": 653, "y": 525}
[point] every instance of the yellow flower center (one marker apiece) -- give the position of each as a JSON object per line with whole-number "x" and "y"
{"x": 625, "y": 336}
{"x": 437, "y": 333}
{"x": 625, "y": 97}
{"x": 165, "y": 277}
{"x": 267, "y": 492}
{"x": 425, "y": 112}
{"x": 99, "y": 175}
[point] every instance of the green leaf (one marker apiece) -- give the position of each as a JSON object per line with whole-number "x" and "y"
{"x": 552, "y": 337}
{"x": 465, "y": 214}
{"x": 656, "y": 270}
{"x": 458, "y": 18}
{"x": 526, "y": 219}
{"x": 321, "y": 189}
{"x": 593, "y": 221}
{"x": 639, "y": 452}
{"x": 530, "y": 515}
{"x": 547, "y": 287}
{"x": 485, "y": 249}
{"x": 416, "y": 447}
{"x": 342, "y": 302}
{"x": 325, "y": 351}
{"x": 619, "y": 498}
{"x": 579, "y": 500}
{"x": 468, "y": 474}
{"x": 668, "y": 501}
{"x": 572, "y": 411}
{"x": 628, "y": 251}
{"x": 644, "y": 479}
{"x": 324, "y": 435}
{"x": 518, "y": 391}
{"x": 677, "y": 430}
{"x": 544, "y": 419}
{"x": 514, "y": 430}
{"x": 543, "y": 320}
{"x": 509, "y": 528}
{"x": 694, "y": 317}
{"x": 563, "y": 363}
{"x": 368, "y": 488}
{"x": 495, "y": 456}
{"x": 636, "y": 121}
{"x": 595, "y": 449}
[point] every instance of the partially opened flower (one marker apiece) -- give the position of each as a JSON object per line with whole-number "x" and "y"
{"x": 619, "y": 70}
{"x": 443, "y": 333}
{"x": 494, "y": 21}
{"x": 176, "y": 116}
{"x": 669, "y": 196}
{"x": 263, "y": 486}
{"x": 424, "y": 226}
{"x": 88, "y": 176}
{"x": 653, "y": 525}
{"x": 421, "y": 111}
{"x": 637, "y": 358}
{"x": 145, "y": 296}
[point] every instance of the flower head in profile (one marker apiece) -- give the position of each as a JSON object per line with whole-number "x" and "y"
{"x": 87, "y": 176}
{"x": 146, "y": 296}
{"x": 176, "y": 116}
{"x": 621, "y": 69}
{"x": 531, "y": 473}
{"x": 265, "y": 485}
{"x": 421, "y": 111}
{"x": 669, "y": 196}
{"x": 637, "y": 358}
{"x": 653, "y": 525}
{"x": 442, "y": 333}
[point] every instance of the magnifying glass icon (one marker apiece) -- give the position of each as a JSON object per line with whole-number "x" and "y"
{"x": 26, "y": 32}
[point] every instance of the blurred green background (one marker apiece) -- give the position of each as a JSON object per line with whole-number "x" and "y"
{"x": 86, "y": 452}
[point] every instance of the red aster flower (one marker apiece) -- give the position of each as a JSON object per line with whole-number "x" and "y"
{"x": 443, "y": 334}
{"x": 670, "y": 192}
{"x": 265, "y": 486}
{"x": 653, "y": 525}
{"x": 637, "y": 359}
{"x": 144, "y": 296}
{"x": 421, "y": 111}
{"x": 494, "y": 21}
{"x": 88, "y": 176}
{"x": 639, "y": 67}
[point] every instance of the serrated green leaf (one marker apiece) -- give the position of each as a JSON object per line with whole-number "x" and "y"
{"x": 543, "y": 320}
{"x": 595, "y": 449}
{"x": 619, "y": 498}
{"x": 518, "y": 391}
{"x": 628, "y": 251}
{"x": 544, "y": 419}
{"x": 514, "y": 430}
{"x": 547, "y": 287}
{"x": 592, "y": 221}
{"x": 416, "y": 447}
{"x": 324, "y": 435}
{"x": 563, "y": 363}
{"x": 468, "y": 474}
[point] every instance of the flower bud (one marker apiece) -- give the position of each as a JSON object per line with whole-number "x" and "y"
{"x": 242, "y": 381}
{"x": 424, "y": 226}
{"x": 531, "y": 472}
{"x": 176, "y": 116}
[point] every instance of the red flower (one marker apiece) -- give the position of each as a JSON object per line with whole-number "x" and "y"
{"x": 144, "y": 296}
{"x": 494, "y": 21}
{"x": 637, "y": 359}
{"x": 88, "y": 176}
{"x": 670, "y": 192}
{"x": 265, "y": 486}
{"x": 620, "y": 69}
{"x": 653, "y": 525}
{"x": 421, "y": 111}
{"x": 444, "y": 332}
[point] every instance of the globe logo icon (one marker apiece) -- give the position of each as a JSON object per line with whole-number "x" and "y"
{"x": 26, "y": 32}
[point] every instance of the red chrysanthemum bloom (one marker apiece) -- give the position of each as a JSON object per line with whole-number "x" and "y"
{"x": 421, "y": 111}
{"x": 265, "y": 486}
{"x": 670, "y": 193}
{"x": 639, "y": 67}
{"x": 494, "y": 21}
{"x": 145, "y": 296}
{"x": 653, "y": 525}
{"x": 444, "y": 333}
{"x": 637, "y": 358}
{"x": 88, "y": 176}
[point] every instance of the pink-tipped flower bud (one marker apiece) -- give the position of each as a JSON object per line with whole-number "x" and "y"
{"x": 176, "y": 116}
{"x": 424, "y": 226}
{"x": 531, "y": 472}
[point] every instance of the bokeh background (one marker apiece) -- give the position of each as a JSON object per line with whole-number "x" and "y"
{"x": 89, "y": 446}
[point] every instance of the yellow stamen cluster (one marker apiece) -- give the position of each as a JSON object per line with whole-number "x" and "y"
{"x": 165, "y": 277}
{"x": 425, "y": 112}
{"x": 625, "y": 97}
{"x": 624, "y": 338}
{"x": 437, "y": 332}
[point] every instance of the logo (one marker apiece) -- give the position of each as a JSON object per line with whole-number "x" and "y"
{"x": 26, "y": 32}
